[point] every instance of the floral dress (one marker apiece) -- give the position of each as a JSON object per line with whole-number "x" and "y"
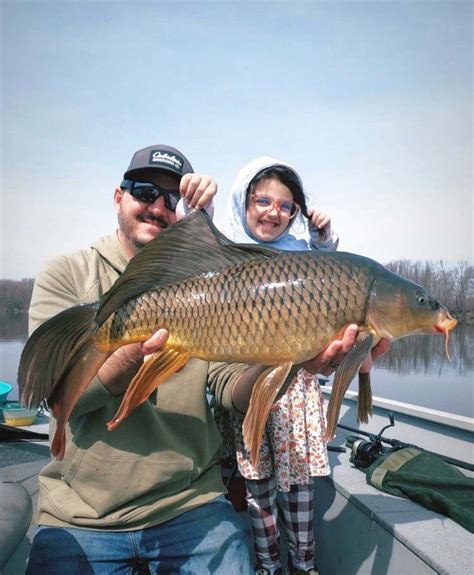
{"x": 293, "y": 450}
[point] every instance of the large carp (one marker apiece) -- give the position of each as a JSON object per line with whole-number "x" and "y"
{"x": 222, "y": 301}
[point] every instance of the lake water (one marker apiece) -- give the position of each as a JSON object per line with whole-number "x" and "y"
{"x": 415, "y": 370}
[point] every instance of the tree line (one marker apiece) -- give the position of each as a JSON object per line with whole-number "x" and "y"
{"x": 453, "y": 286}
{"x": 15, "y": 295}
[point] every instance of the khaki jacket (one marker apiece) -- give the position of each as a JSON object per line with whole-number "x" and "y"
{"x": 163, "y": 459}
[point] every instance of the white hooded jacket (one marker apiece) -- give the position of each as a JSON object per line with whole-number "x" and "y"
{"x": 239, "y": 231}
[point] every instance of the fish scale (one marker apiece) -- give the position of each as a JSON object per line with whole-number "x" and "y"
{"x": 240, "y": 312}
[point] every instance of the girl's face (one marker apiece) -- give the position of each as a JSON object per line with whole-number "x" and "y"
{"x": 270, "y": 210}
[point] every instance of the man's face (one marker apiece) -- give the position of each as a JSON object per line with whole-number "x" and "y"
{"x": 140, "y": 222}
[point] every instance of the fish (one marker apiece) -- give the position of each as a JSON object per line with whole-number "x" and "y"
{"x": 223, "y": 301}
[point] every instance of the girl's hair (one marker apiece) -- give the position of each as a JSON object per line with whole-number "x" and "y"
{"x": 288, "y": 178}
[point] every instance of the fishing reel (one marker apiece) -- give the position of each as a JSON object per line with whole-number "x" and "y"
{"x": 364, "y": 452}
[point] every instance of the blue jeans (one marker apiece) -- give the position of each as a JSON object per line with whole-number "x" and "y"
{"x": 212, "y": 538}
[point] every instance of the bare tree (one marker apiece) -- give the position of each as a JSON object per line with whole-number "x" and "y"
{"x": 15, "y": 295}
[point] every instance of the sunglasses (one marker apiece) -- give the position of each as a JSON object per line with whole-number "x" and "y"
{"x": 264, "y": 203}
{"x": 149, "y": 193}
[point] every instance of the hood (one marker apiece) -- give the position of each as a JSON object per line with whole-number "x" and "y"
{"x": 110, "y": 248}
{"x": 239, "y": 231}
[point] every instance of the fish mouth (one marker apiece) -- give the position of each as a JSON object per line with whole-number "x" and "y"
{"x": 444, "y": 325}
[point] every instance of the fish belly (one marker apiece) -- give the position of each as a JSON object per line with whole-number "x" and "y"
{"x": 260, "y": 312}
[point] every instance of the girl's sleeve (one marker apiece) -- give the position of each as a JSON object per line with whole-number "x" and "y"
{"x": 316, "y": 242}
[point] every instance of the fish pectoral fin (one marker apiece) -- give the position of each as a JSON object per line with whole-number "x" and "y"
{"x": 156, "y": 370}
{"x": 344, "y": 375}
{"x": 264, "y": 393}
{"x": 364, "y": 398}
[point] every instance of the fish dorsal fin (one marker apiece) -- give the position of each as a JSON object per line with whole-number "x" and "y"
{"x": 190, "y": 247}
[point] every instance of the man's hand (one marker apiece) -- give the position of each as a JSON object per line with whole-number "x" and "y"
{"x": 198, "y": 190}
{"x": 334, "y": 353}
{"x": 382, "y": 347}
{"x": 123, "y": 364}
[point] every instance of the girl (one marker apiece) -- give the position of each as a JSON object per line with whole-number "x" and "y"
{"x": 267, "y": 198}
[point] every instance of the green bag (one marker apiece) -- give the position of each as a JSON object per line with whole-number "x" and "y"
{"x": 427, "y": 479}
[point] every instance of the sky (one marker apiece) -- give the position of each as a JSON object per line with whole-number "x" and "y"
{"x": 371, "y": 102}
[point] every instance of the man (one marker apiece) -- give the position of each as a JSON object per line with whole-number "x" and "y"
{"x": 146, "y": 497}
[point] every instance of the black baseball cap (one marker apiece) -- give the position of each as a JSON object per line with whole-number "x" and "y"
{"x": 158, "y": 157}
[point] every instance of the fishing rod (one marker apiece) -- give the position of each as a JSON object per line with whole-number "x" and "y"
{"x": 368, "y": 451}
{"x": 9, "y": 433}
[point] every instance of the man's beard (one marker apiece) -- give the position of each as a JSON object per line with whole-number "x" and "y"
{"x": 128, "y": 224}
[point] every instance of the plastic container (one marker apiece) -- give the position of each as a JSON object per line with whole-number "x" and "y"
{"x": 16, "y": 415}
{"x": 5, "y": 389}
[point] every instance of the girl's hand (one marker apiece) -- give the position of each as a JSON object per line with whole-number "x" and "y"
{"x": 197, "y": 190}
{"x": 320, "y": 221}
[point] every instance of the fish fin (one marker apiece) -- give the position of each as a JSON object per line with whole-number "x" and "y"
{"x": 344, "y": 375}
{"x": 155, "y": 371}
{"x": 48, "y": 351}
{"x": 190, "y": 247}
{"x": 264, "y": 393}
{"x": 364, "y": 398}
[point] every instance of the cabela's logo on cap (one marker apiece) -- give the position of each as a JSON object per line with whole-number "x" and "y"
{"x": 171, "y": 160}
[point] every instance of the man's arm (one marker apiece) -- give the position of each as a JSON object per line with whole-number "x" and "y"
{"x": 233, "y": 383}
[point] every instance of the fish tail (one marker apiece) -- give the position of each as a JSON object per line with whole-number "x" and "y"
{"x": 364, "y": 398}
{"x": 57, "y": 364}
{"x": 47, "y": 353}
{"x": 82, "y": 368}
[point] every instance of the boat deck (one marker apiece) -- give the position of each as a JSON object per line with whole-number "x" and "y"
{"x": 359, "y": 530}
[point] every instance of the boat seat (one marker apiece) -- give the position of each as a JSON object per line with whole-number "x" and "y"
{"x": 16, "y": 512}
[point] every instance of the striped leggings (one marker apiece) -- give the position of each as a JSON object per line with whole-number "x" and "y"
{"x": 297, "y": 516}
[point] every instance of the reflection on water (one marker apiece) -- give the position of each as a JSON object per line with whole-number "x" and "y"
{"x": 426, "y": 354}
{"x": 13, "y": 327}
{"x": 415, "y": 370}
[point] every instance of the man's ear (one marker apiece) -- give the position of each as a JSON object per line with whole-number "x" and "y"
{"x": 118, "y": 195}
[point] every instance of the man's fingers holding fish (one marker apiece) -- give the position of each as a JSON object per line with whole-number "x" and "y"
{"x": 334, "y": 354}
{"x": 124, "y": 363}
{"x": 382, "y": 347}
{"x": 155, "y": 342}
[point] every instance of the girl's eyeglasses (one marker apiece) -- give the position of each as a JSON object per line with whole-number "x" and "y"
{"x": 263, "y": 203}
{"x": 149, "y": 193}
